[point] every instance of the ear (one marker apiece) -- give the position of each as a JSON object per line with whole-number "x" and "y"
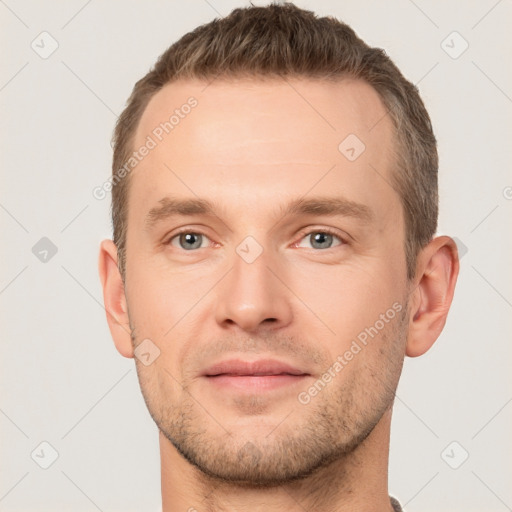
{"x": 114, "y": 298}
{"x": 436, "y": 274}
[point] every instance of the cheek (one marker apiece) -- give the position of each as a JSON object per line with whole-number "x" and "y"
{"x": 159, "y": 388}
{"x": 159, "y": 299}
{"x": 371, "y": 362}
{"x": 347, "y": 299}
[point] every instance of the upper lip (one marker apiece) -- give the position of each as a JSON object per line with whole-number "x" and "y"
{"x": 255, "y": 368}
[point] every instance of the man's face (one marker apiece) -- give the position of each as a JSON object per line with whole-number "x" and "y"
{"x": 251, "y": 281}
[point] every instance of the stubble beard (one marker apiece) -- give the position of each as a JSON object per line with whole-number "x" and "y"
{"x": 311, "y": 437}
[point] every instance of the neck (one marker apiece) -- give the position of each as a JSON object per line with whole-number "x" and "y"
{"x": 358, "y": 481}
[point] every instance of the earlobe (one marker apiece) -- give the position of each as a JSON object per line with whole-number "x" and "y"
{"x": 114, "y": 298}
{"x": 437, "y": 271}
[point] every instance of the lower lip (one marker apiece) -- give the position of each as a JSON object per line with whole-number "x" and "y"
{"x": 255, "y": 382}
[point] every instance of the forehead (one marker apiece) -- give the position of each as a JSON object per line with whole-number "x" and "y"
{"x": 346, "y": 104}
{"x": 250, "y": 139}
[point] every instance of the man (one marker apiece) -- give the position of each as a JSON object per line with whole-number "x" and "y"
{"x": 275, "y": 202}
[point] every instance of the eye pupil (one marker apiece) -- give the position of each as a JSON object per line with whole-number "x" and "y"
{"x": 190, "y": 240}
{"x": 323, "y": 239}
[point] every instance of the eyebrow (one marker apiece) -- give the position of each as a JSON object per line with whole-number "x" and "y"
{"x": 169, "y": 207}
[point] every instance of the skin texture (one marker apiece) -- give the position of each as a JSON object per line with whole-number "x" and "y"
{"x": 250, "y": 147}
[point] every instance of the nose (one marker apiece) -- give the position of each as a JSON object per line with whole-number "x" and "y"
{"x": 254, "y": 296}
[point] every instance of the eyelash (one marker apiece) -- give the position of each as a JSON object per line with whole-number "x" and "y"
{"x": 327, "y": 231}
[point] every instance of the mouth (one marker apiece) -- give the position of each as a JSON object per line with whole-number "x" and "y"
{"x": 254, "y": 376}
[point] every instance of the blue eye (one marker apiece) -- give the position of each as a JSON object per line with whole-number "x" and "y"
{"x": 188, "y": 240}
{"x": 321, "y": 239}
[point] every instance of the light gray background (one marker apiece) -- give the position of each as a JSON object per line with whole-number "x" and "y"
{"x": 62, "y": 380}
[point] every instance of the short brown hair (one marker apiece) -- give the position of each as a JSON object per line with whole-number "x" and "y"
{"x": 286, "y": 41}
